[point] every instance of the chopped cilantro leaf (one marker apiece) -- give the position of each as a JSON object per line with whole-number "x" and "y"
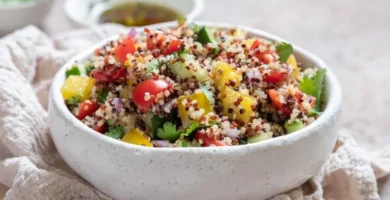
{"x": 181, "y": 53}
{"x": 168, "y": 132}
{"x": 284, "y": 51}
{"x": 89, "y": 69}
{"x": 153, "y": 65}
{"x": 313, "y": 86}
{"x": 215, "y": 51}
{"x": 209, "y": 94}
{"x": 103, "y": 96}
{"x": 74, "y": 100}
{"x": 116, "y": 132}
{"x": 157, "y": 123}
{"x": 191, "y": 129}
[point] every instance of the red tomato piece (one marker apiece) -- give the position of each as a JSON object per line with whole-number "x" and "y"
{"x": 208, "y": 141}
{"x": 275, "y": 77}
{"x": 255, "y": 44}
{"x": 101, "y": 129}
{"x": 153, "y": 87}
{"x": 158, "y": 42}
{"x": 174, "y": 45}
{"x": 87, "y": 108}
{"x": 273, "y": 95}
{"x": 110, "y": 74}
{"x": 125, "y": 47}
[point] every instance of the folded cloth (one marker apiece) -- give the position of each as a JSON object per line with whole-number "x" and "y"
{"x": 31, "y": 168}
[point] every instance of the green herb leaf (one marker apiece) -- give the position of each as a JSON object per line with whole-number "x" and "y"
{"x": 89, "y": 69}
{"x": 215, "y": 51}
{"x": 191, "y": 129}
{"x": 103, "y": 96}
{"x": 195, "y": 27}
{"x": 206, "y": 89}
{"x": 116, "y": 132}
{"x": 181, "y": 53}
{"x": 313, "y": 86}
{"x": 284, "y": 51}
{"x": 168, "y": 132}
{"x": 157, "y": 123}
{"x": 72, "y": 71}
{"x": 74, "y": 100}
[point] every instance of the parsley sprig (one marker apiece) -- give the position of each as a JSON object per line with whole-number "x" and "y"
{"x": 313, "y": 86}
{"x": 284, "y": 51}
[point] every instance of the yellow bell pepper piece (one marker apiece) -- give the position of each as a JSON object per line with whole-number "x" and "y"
{"x": 203, "y": 103}
{"x": 293, "y": 62}
{"x": 225, "y": 75}
{"x": 242, "y": 110}
{"x": 137, "y": 137}
{"x": 77, "y": 85}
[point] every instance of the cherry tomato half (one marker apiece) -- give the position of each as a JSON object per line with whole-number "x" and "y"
{"x": 208, "y": 141}
{"x": 262, "y": 56}
{"x": 110, "y": 74}
{"x": 158, "y": 41}
{"x": 275, "y": 77}
{"x": 153, "y": 87}
{"x": 87, "y": 108}
{"x": 274, "y": 96}
{"x": 125, "y": 47}
{"x": 101, "y": 129}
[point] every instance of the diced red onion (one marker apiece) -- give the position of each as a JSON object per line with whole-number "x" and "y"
{"x": 161, "y": 143}
{"x": 132, "y": 33}
{"x": 232, "y": 132}
{"x": 117, "y": 102}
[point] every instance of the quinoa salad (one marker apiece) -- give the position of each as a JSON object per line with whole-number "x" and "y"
{"x": 193, "y": 86}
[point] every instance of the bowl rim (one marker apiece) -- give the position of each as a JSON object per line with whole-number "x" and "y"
{"x": 197, "y": 8}
{"x": 332, "y": 108}
{"x": 16, "y": 6}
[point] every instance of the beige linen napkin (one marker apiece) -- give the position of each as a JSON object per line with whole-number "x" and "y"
{"x": 30, "y": 167}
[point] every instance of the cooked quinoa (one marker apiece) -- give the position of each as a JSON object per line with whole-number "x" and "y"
{"x": 193, "y": 86}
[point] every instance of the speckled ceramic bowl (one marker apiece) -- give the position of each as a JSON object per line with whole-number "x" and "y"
{"x": 253, "y": 171}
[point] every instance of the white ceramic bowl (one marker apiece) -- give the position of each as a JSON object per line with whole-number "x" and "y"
{"x": 85, "y": 13}
{"x": 15, "y": 16}
{"x": 253, "y": 171}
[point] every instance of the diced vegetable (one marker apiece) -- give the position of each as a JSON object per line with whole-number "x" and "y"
{"x": 77, "y": 85}
{"x": 180, "y": 69}
{"x": 208, "y": 141}
{"x": 87, "y": 108}
{"x": 137, "y": 137}
{"x": 294, "y": 126}
{"x": 145, "y": 93}
{"x": 159, "y": 41}
{"x": 293, "y": 62}
{"x": 238, "y": 106}
{"x": 284, "y": 51}
{"x": 185, "y": 113}
{"x": 153, "y": 65}
{"x": 126, "y": 47}
{"x": 225, "y": 75}
{"x": 259, "y": 138}
{"x": 275, "y": 77}
{"x": 110, "y": 74}
{"x": 205, "y": 35}
{"x": 168, "y": 132}
{"x": 76, "y": 70}
{"x": 313, "y": 86}
{"x": 100, "y": 129}
{"x": 274, "y": 96}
